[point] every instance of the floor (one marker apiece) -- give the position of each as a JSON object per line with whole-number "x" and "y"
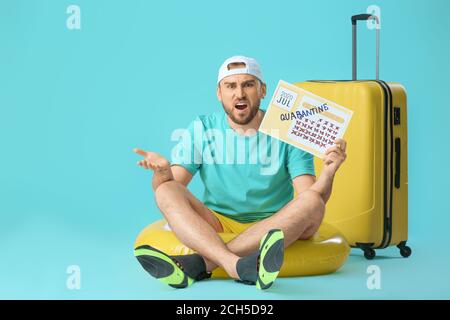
{"x": 36, "y": 265}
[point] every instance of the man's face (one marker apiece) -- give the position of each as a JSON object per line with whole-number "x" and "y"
{"x": 241, "y": 96}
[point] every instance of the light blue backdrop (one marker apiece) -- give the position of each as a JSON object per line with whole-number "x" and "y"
{"x": 74, "y": 103}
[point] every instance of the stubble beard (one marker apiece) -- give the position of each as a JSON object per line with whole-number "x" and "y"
{"x": 246, "y": 120}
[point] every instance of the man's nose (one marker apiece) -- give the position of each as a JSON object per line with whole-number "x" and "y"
{"x": 240, "y": 92}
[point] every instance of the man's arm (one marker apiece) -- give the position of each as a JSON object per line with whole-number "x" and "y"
{"x": 181, "y": 174}
{"x": 162, "y": 171}
{"x": 322, "y": 185}
{"x": 334, "y": 157}
{"x": 174, "y": 172}
{"x": 303, "y": 182}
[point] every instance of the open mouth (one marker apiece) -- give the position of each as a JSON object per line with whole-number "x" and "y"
{"x": 240, "y": 106}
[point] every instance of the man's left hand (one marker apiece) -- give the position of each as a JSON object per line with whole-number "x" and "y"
{"x": 335, "y": 156}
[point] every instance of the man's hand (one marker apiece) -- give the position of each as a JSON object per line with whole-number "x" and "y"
{"x": 152, "y": 160}
{"x": 335, "y": 156}
{"x": 159, "y": 164}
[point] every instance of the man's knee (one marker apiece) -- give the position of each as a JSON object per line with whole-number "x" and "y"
{"x": 309, "y": 232}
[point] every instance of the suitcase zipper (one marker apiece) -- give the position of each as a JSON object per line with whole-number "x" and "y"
{"x": 387, "y": 230}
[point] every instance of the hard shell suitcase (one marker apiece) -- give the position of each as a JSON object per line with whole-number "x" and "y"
{"x": 369, "y": 201}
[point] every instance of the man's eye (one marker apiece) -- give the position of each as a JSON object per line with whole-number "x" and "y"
{"x": 249, "y": 84}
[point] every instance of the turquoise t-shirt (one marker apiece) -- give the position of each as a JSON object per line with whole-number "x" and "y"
{"x": 246, "y": 178}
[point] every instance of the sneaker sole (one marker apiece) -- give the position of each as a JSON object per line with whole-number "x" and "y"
{"x": 271, "y": 251}
{"x": 160, "y": 266}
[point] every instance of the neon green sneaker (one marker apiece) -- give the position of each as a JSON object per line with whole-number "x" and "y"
{"x": 271, "y": 256}
{"x": 162, "y": 267}
{"x": 262, "y": 266}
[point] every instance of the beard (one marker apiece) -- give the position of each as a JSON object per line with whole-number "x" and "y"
{"x": 242, "y": 121}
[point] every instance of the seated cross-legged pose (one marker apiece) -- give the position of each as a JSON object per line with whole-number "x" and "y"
{"x": 248, "y": 188}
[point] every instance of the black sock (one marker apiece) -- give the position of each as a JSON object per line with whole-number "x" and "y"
{"x": 194, "y": 266}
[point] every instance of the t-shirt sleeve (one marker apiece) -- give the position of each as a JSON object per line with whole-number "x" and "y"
{"x": 299, "y": 162}
{"x": 187, "y": 153}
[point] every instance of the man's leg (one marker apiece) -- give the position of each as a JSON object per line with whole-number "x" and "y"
{"x": 194, "y": 225}
{"x": 299, "y": 219}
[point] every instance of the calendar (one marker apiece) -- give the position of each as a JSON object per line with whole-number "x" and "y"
{"x": 304, "y": 120}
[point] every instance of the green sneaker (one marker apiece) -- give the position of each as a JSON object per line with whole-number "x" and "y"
{"x": 262, "y": 266}
{"x": 271, "y": 256}
{"x": 162, "y": 267}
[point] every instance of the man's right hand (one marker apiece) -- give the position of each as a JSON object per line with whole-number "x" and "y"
{"x": 152, "y": 160}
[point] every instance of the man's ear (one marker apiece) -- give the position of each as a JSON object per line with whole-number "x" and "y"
{"x": 263, "y": 90}
{"x": 219, "y": 93}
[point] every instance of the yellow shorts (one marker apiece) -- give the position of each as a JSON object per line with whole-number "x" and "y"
{"x": 230, "y": 225}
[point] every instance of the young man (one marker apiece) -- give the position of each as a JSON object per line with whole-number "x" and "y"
{"x": 241, "y": 196}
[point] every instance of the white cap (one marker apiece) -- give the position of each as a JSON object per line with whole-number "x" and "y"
{"x": 251, "y": 67}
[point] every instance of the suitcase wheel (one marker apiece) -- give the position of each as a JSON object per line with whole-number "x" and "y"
{"x": 405, "y": 251}
{"x": 369, "y": 253}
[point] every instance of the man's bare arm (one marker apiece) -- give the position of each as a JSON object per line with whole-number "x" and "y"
{"x": 323, "y": 185}
{"x": 334, "y": 157}
{"x": 162, "y": 170}
{"x": 161, "y": 175}
{"x": 303, "y": 182}
{"x": 181, "y": 174}
{"x": 160, "y": 166}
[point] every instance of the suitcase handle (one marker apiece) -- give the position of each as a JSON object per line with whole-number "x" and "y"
{"x": 355, "y": 19}
{"x": 397, "y": 163}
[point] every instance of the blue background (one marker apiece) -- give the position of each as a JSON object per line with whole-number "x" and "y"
{"x": 74, "y": 103}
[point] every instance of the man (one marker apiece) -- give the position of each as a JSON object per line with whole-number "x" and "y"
{"x": 239, "y": 197}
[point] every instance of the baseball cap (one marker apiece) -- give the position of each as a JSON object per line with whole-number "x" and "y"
{"x": 251, "y": 67}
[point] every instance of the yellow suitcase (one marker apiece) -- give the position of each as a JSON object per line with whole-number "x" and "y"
{"x": 369, "y": 202}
